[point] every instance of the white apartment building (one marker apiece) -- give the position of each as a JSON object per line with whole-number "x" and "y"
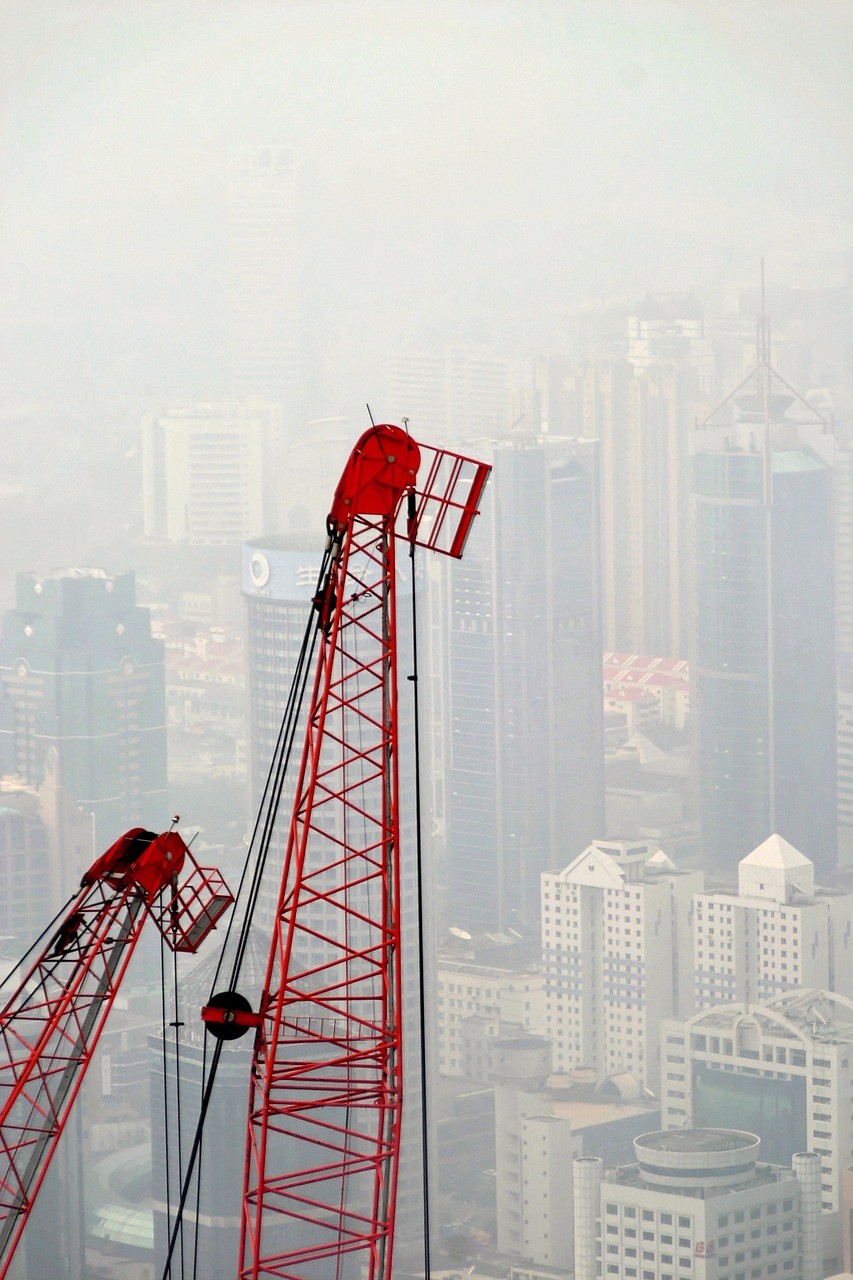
{"x": 778, "y": 931}
{"x": 698, "y": 1203}
{"x": 212, "y": 474}
{"x": 783, "y": 1069}
{"x": 615, "y": 924}
{"x": 478, "y": 1003}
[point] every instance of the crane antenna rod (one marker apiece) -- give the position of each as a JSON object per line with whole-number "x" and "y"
{"x": 421, "y": 947}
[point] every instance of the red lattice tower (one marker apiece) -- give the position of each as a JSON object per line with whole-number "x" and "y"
{"x": 325, "y": 1103}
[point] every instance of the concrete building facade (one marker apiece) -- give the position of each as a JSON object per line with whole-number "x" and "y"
{"x": 212, "y": 474}
{"x": 615, "y": 936}
{"x": 783, "y": 1068}
{"x": 777, "y": 932}
{"x": 698, "y": 1202}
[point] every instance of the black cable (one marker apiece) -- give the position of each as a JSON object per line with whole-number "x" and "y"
{"x": 265, "y": 822}
{"x": 185, "y": 1189}
{"x": 178, "y": 1116}
{"x": 420, "y": 878}
{"x": 165, "y": 1088}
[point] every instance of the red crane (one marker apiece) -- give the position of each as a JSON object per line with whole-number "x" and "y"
{"x": 50, "y": 1024}
{"x": 325, "y": 1092}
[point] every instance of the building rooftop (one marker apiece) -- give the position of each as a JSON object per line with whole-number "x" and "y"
{"x": 776, "y": 853}
{"x": 698, "y": 1140}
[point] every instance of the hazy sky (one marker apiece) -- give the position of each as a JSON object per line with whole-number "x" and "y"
{"x": 463, "y": 166}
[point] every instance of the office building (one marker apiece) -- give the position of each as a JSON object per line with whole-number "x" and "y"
{"x": 515, "y": 685}
{"x": 764, "y": 665}
{"x": 783, "y": 1069}
{"x": 615, "y": 942}
{"x": 478, "y": 1004}
{"x": 641, "y": 417}
{"x": 212, "y": 474}
{"x": 455, "y": 395}
{"x": 44, "y": 837}
{"x": 778, "y": 931}
{"x": 264, "y": 311}
{"x": 543, "y": 1122}
{"x": 81, "y": 675}
{"x": 698, "y": 1202}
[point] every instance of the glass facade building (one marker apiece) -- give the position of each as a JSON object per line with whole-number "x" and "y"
{"x": 80, "y": 672}
{"x": 764, "y": 664}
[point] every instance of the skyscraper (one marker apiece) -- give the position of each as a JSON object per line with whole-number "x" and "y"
{"x": 459, "y": 394}
{"x": 764, "y": 664}
{"x": 641, "y": 416}
{"x": 615, "y": 942}
{"x": 521, "y": 673}
{"x": 212, "y": 473}
{"x": 81, "y": 673}
{"x": 264, "y": 312}
{"x": 778, "y": 931}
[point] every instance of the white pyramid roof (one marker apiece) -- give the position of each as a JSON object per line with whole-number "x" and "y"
{"x": 777, "y": 853}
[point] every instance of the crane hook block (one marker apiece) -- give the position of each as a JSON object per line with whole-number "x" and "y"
{"x": 229, "y": 1015}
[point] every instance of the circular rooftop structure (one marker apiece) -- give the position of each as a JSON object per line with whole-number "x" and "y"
{"x": 697, "y": 1157}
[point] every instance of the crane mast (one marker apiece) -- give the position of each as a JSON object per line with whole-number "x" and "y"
{"x": 325, "y": 1094}
{"x": 59, "y": 1003}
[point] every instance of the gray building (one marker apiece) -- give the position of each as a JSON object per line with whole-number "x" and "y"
{"x": 81, "y": 673}
{"x": 519, "y": 662}
{"x": 764, "y": 665}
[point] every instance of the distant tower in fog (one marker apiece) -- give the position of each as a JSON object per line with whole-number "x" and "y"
{"x": 520, "y": 678}
{"x": 212, "y": 474}
{"x": 459, "y": 394}
{"x": 263, "y": 309}
{"x": 81, "y": 673}
{"x": 764, "y": 666}
{"x": 641, "y": 417}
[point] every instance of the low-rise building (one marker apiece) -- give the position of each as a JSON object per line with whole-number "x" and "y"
{"x": 697, "y": 1202}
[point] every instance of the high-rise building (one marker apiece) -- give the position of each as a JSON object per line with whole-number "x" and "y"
{"x": 44, "y": 837}
{"x": 81, "y": 674}
{"x": 778, "y": 931}
{"x": 517, "y": 668}
{"x": 764, "y": 666}
{"x": 641, "y": 416}
{"x": 264, "y": 314}
{"x": 212, "y": 474}
{"x": 459, "y": 394}
{"x": 783, "y": 1069}
{"x": 698, "y": 1202}
{"x": 615, "y": 938}
{"x": 279, "y": 580}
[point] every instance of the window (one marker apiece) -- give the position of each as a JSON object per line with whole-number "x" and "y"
{"x": 684, "y": 1222}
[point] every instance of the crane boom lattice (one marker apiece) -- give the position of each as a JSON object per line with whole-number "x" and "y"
{"x": 325, "y": 1094}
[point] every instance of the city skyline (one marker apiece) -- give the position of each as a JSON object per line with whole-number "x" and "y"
{"x": 607, "y": 249}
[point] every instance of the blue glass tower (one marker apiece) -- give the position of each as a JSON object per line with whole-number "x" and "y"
{"x": 764, "y": 662}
